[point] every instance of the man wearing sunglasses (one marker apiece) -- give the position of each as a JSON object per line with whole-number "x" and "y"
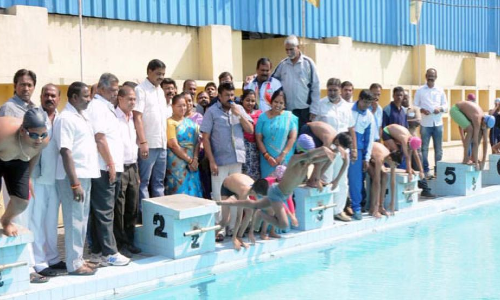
{"x": 21, "y": 142}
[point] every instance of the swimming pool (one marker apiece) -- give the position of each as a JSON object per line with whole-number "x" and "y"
{"x": 454, "y": 256}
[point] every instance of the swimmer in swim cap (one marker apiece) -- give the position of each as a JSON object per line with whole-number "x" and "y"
{"x": 317, "y": 134}
{"x": 475, "y": 123}
{"x": 21, "y": 142}
{"x": 278, "y": 193}
{"x": 394, "y": 137}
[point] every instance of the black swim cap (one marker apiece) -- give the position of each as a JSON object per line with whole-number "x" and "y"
{"x": 34, "y": 118}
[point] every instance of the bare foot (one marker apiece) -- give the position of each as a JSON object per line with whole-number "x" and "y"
{"x": 273, "y": 234}
{"x": 251, "y": 237}
{"x": 376, "y": 215}
{"x": 295, "y": 222}
{"x": 237, "y": 244}
{"x": 264, "y": 237}
{"x": 245, "y": 245}
{"x": 312, "y": 183}
{"x": 383, "y": 212}
{"x": 9, "y": 229}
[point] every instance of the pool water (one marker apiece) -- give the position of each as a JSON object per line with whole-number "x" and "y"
{"x": 454, "y": 256}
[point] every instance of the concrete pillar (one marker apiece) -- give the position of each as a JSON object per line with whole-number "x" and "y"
{"x": 218, "y": 52}
{"x": 423, "y": 59}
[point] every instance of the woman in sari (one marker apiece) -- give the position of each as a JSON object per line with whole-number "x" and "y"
{"x": 275, "y": 133}
{"x": 251, "y": 167}
{"x": 182, "y": 153}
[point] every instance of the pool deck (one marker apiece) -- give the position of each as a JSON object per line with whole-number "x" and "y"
{"x": 146, "y": 273}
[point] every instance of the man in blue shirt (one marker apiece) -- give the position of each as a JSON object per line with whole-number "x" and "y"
{"x": 395, "y": 113}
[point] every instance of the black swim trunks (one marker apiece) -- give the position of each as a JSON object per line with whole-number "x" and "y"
{"x": 305, "y": 129}
{"x": 225, "y": 192}
{"x": 16, "y": 176}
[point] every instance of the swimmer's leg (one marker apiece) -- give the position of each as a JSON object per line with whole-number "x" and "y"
{"x": 14, "y": 208}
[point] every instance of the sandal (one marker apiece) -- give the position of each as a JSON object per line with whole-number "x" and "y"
{"x": 83, "y": 271}
{"x": 37, "y": 278}
{"x": 59, "y": 266}
{"x": 220, "y": 237}
{"x": 48, "y": 272}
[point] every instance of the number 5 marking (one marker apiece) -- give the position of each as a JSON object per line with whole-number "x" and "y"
{"x": 450, "y": 171}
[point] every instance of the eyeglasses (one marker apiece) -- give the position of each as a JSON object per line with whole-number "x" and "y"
{"x": 36, "y": 136}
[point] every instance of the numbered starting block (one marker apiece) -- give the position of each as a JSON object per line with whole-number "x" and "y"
{"x": 406, "y": 192}
{"x": 14, "y": 256}
{"x": 177, "y": 226}
{"x": 492, "y": 175}
{"x": 313, "y": 209}
{"x": 456, "y": 179}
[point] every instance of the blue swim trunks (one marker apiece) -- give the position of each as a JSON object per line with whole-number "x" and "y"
{"x": 275, "y": 194}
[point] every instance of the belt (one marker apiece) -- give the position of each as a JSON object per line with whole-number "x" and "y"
{"x": 126, "y": 166}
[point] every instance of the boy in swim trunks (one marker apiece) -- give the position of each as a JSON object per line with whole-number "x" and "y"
{"x": 240, "y": 187}
{"x": 21, "y": 142}
{"x": 278, "y": 193}
{"x": 395, "y": 136}
{"x": 469, "y": 116}
{"x": 378, "y": 174}
{"x": 323, "y": 134}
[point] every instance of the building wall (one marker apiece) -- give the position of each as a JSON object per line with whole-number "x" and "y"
{"x": 465, "y": 25}
{"x": 49, "y": 45}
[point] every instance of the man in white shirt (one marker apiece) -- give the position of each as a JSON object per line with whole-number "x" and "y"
{"x": 376, "y": 109}
{"x": 263, "y": 84}
{"x": 432, "y": 103}
{"x": 105, "y": 125}
{"x": 45, "y": 210}
{"x": 151, "y": 125}
{"x": 300, "y": 81}
{"x": 128, "y": 192}
{"x": 336, "y": 112}
{"x": 77, "y": 164}
{"x": 346, "y": 90}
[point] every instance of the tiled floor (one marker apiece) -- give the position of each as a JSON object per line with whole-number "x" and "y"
{"x": 147, "y": 272}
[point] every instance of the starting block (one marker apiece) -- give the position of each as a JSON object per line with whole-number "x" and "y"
{"x": 492, "y": 175}
{"x": 14, "y": 256}
{"x": 177, "y": 226}
{"x": 313, "y": 209}
{"x": 456, "y": 179}
{"x": 406, "y": 192}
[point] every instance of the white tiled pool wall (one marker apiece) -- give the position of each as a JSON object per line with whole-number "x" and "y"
{"x": 149, "y": 273}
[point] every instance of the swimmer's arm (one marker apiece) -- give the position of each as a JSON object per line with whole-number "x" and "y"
{"x": 407, "y": 155}
{"x": 485, "y": 147}
{"x": 393, "y": 187}
{"x": 344, "y": 165}
{"x": 33, "y": 163}
{"x": 69, "y": 166}
{"x": 419, "y": 164}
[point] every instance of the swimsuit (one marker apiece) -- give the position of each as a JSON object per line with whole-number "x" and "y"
{"x": 274, "y": 194}
{"x": 16, "y": 176}
{"x": 459, "y": 117}
{"x": 225, "y": 192}
{"x": 305, "y": 129}
{"x": 386, "y": 134}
